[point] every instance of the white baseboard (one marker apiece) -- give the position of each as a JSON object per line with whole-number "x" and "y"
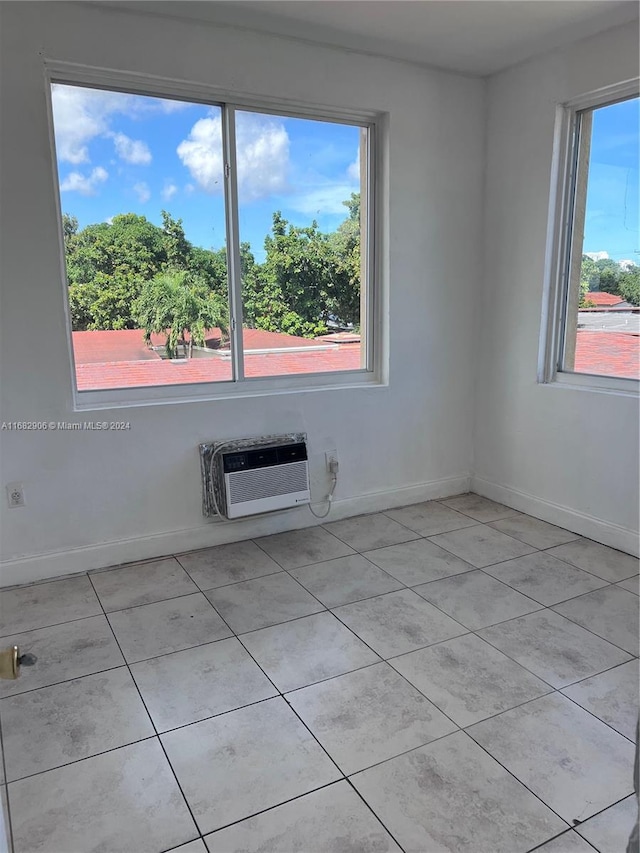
{"x": 613, "y": 535}
{"x": 30, "y": 569}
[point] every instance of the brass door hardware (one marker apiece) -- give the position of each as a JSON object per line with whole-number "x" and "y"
{"x": 11, "y": 660}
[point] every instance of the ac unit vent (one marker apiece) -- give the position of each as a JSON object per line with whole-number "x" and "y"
{"x": 267, "y": 482}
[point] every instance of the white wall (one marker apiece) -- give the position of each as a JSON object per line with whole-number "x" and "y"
{"x": 94, "y": 499}
{"x": 569, "y": 456}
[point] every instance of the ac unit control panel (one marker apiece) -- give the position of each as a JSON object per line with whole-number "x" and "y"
{"x": 263, "y": 457}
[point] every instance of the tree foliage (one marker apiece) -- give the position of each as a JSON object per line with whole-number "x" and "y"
{"x": 309, "y": 281}
{"x": 629, "y": 285}
{"x": 176, "y": 302}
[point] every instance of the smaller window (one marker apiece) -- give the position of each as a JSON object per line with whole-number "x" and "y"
{"x": 598, "y": 292}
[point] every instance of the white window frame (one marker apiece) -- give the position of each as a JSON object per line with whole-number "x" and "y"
{"x": 558, "y": 257}
{"x": 372, "y": 373}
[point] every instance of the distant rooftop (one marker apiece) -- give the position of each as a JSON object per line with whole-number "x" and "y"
{"x": 601, "y": 299}
{"x": 121, "y": 358}
{"x": 608, "y": 354}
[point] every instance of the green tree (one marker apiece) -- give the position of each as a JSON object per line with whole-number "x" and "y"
{"x": 588, "y": 277}
{"x": 309, "y": 279}
{"x": 211, "y": 266}
{"x": 609, "y": 274}
{"x": 295, "y": 277}
{"x": 175, "y": 302}
{"x": 344, "y": 299}
{"x": 107, "y": 264}
{"x": 629, "y": 285}
{"x": 175, "y": 244}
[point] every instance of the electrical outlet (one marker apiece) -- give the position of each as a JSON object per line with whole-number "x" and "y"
{"x": 331, "y": 459}
{"x": 15, "y": 494}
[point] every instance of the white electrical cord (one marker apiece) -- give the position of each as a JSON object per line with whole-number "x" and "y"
{"x": 333, "y": 469}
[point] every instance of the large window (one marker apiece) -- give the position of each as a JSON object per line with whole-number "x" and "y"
{"x": 597, "y": 292}
{"x": 212, "y": 243}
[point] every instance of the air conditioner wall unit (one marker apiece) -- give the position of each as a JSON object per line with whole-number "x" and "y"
{"x": 245, "y": 477}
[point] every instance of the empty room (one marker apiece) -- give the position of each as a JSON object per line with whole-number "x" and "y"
{"x": 319, "y": 446}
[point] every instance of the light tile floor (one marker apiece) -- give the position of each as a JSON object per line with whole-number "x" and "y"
{"x": 450, "y": 676}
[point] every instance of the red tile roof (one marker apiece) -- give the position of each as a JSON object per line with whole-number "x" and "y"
{"x": 122, "y": 345}
{"x": 97, "y": 347}
{"x": 259, "y": 339}
{"x": 131, "y": 374}
{"x": 601, "y": 300}
{"x": 608, "y": 354}
{"x": 121, "y": 359}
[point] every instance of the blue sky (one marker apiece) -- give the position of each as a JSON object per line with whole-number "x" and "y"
{"x": 612, "y": 193}
{"x": 121, "y": 153}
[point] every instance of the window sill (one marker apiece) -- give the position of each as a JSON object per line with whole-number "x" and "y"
{"x": 203, "y": 392}
{"x": 590, "y": 382}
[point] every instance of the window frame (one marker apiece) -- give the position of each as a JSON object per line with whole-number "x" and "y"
{"x": 560, "y": 243}
{"x": 372, "y": 372}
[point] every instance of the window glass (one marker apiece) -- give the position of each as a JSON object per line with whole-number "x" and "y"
{"x": 144, "y": 225}
{"x": 301, "y": 230}
{"x": 602, "y": 332}
{"x": 148, "y": 198}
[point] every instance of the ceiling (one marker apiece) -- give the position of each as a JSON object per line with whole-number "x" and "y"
{"x": 477, "y": 37}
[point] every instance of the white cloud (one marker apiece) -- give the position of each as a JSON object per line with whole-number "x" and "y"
{"x": 142, "y": 191}
{"x": 322, "y": 200}
{"x": 316, "y": 196}
{"x": 262, "y": 154}
{"x": 80, "y": 115}
{"x": 133, "y": 151}
{"x": 353, "y": 171}
{"x": 84, "y": 184}
{"x": 168, "y": 107}
{"x": 169, "y": 191}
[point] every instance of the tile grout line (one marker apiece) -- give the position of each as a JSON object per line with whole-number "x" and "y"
{"x": 269, "y": 808}
{"x": 574, "y": 827}
{"x": 9, "y": 827}
{"x": 595, "y": 716}
{"x": 375, "y": 814}
{"x": 414, "y": 538}
{"x": 79, "y": 760}
{"x": 556, "y": 837}
{"x": 54, "y": 624}
{"x": 599, "y": 636}
{"x": 520, "y": 782}
{"x": 613, "y": 666}
{"x": 335, "y": 559}
{"x": 157, "y": 735}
